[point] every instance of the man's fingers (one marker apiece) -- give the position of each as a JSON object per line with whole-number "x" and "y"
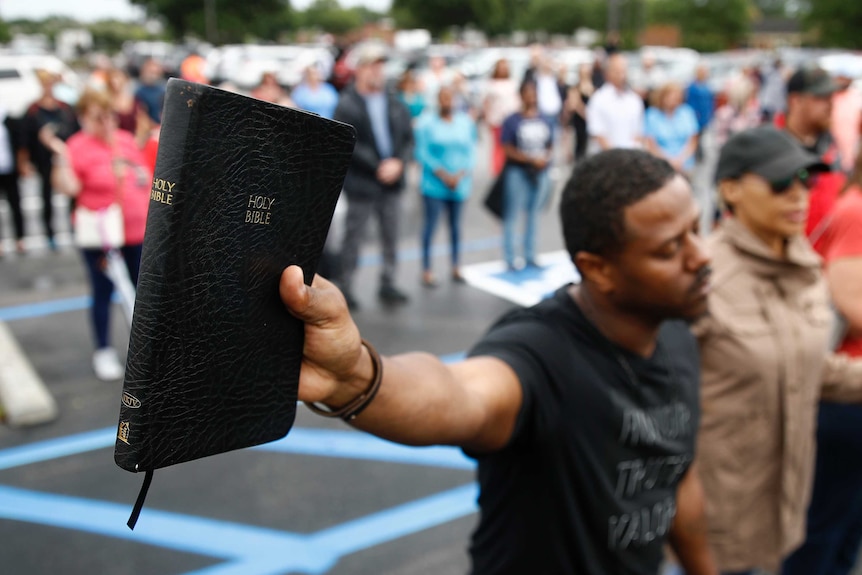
{"x": 317, "y": 304}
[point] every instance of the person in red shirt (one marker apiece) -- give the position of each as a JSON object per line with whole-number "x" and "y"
{"x": 834, "y": 529}
{"x": 808, "y": 120}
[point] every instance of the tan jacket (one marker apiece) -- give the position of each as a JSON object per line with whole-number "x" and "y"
{"x": 765, "y": 367}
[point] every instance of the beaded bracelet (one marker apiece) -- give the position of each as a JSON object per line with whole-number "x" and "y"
{"x": 349, "y": 411}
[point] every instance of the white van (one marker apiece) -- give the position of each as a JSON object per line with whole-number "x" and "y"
{"x": 20, "y": 87}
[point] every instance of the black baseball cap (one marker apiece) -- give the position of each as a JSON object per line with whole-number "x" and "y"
{"x": 814, "y": 81}
{"x": 767, "y": 152}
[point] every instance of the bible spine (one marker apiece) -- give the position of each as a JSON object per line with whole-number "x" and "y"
{"x": 181, "y": 104}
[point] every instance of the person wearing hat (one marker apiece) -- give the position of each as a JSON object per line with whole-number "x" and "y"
{"x": 764, "y": 354}
{"x": 808, "y": 121}
{"x": 375, "y": 178}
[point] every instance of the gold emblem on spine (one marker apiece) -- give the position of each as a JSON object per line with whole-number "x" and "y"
{"x": 131, "y": 401}
{"x": 123, "y": 434}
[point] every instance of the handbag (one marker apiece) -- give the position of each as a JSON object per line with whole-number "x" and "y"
{"x": 102, "y": 228}
{"x": 495, "y": 197}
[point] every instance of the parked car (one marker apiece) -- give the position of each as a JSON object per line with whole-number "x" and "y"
{"x": 243, "y": 65}
{"x": 20, "y": 87}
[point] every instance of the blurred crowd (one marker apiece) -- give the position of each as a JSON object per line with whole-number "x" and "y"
{"x": 787, "y": 242}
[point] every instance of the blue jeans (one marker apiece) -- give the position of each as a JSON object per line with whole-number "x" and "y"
{"x": 835, "y": 515}
{"x": 527, "y": 192}
{"x": 433, "y": 207}
{"x": 103, "y": 288}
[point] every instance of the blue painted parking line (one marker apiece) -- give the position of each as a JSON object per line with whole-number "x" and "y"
{"x": 300, "y": 441}
{"x": 51, "y": 307}
{"x": 353, "y": 445}
{"x": 56, "y": 448}
{"x": 251, "y": 550}
{"x": 41, "y": 309}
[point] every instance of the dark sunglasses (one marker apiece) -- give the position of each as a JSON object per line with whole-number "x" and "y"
{"x": 779, "y": 187}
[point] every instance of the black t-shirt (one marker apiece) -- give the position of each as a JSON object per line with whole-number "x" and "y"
{"x": 65, "y": 124}
{"x": 587, "y": 485}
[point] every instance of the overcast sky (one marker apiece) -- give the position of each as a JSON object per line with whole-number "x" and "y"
{"x": 89, "y": 10}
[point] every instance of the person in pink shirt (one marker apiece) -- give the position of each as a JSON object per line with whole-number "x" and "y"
{"x": 99, "y": 166}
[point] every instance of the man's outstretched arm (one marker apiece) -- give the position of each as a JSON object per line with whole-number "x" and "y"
{"x": 688, "y": 536}
{"x": 421, "y": 401}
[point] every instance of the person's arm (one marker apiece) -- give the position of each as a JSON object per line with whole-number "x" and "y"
{"x": 365, "y": 156}
{"x": 845, "y": 283}
{"x": 63, "y": 176}
{"x": 508, "y": 139}
{"x": 423, "y": 147}
{"x": 842, "y": 379}
{"x": 650, "y": 143}
{"x": 405, "y": 151}
{"x": 687, "y": 152}
{"x": 25, "y": 136}
{"x": 688, "y": 534}
{"x": 691, "y": 145}
{"x": 515, "y": 155}
{"x": 421, "y": 401}
{"x": 474, "y": 143}
{"x": 595, "y": 123}
{"x": 640, "y": 122}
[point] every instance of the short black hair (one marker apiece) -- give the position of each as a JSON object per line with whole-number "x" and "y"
{"x": 599, "y": 190}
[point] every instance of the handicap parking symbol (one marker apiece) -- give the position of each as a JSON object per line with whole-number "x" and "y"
{"x": 527, "y": 286}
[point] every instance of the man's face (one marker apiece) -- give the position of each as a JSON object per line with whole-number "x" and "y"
{"x": 616, "y": 71}
{"x": 816, "y": 111}
{"x": 528, "y": 96}
{"x": 663, "y": 269}
{"x": 372, "y": 75}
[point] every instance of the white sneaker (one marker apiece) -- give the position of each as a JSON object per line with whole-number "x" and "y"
{"x": 107, "y": 365}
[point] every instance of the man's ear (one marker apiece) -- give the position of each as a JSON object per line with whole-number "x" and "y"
{"x": 597, "y": 270}
{"x": 730, "y": 192}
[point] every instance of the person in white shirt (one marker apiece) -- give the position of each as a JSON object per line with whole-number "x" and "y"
{"x": 438, "y": 75}
{"x": 548, "y": 91}
{"x": 615, "y": 113}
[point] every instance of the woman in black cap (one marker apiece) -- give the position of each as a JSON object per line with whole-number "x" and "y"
{"x": 764, "y": 355}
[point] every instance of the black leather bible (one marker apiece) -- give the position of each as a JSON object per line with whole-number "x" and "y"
{"x": 242, "y": 189}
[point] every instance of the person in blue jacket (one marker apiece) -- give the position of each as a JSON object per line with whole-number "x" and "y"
{"x": 699, "y": 96}
{"x": 315, "y": 95}
{"x": 445, "y": 149}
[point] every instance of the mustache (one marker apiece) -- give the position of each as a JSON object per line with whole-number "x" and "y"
{"x": 702, "y": 276}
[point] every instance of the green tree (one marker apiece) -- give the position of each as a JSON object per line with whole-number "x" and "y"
{"x": 772, "y": 8}
{"x": 552, "y": 16}
{"x": 493, "y": 17}
{"x": 706, "y": 25}
{"x": 235, "y": 21}
{"x": 109, "y": 35}
{"x": 837, "y": 22}
{"x": 566, "y": 16}
{"x": 330, "y": 16}
{"x": 5, "y": 33}
{"x": 435, "y": 15}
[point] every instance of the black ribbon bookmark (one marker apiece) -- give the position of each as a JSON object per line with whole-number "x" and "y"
{"x": 139, "y": 504}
